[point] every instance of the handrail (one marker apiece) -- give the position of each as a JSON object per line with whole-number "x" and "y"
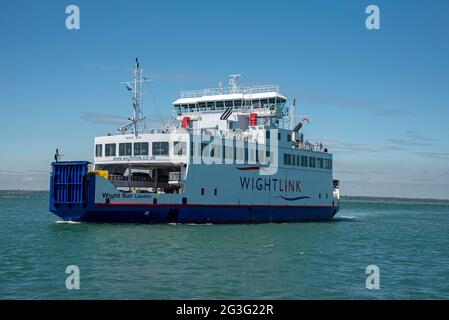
{"x": 229, "y": 90}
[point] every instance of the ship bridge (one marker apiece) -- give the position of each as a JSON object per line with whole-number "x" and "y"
{"x": 231, "y": 108}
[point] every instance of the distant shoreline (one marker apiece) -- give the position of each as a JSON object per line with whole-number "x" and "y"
{"x": 344, "y": 197}
{"x": 394, "y": 199}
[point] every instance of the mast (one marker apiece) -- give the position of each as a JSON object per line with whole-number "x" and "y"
{"x": 293, "y": 115}
{"x": 137, "y": 122}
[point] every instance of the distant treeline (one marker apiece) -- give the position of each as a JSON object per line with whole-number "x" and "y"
{"x": 394, "y": 199}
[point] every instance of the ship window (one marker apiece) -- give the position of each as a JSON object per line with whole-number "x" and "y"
{"x": 289, "y": 159}
{"x": 219, "y": 105}
{"x": 211, "y": 105}
{"x": 184, "y": 108}
{"x": 160, "y": 148}
{"x": 289, "y": 137}
{"x": 256, "y": 103}
{"x": 110, "y": 149}
{"x": 237, "y": 103}
{"x": 202, "y": 106}
{"x": 319, "y": 163}
{"x": 268, "y": 134}
{"x": 304, "y": 161}
{"x": 285, "y": 158}
{"x": 264, "y": 103}
{"x": 141, "y": 148}
{"x": 298, "y": 163}
{"x": 180, "y": 148}
{"x": 319, "y": 195}
{"x": 191, "y": 107}
{"x": 293, "y": 160}
{"x": 246, "y": 153}
{"x": 178, "y": 109}
{"x": 267, "y": 154}
{"x": 215, "y": 191}
{"x": 271, "y": 103}
{"x": 228, "y": 104}
{"x": 125, "y": 149}
{"x": 137, "y": 148}
{"x": 312, "y": 161}
{"x": 280, "y": 103}
{"x": 98, "y": 150}
{"x": 328, "y": 164}
{"x": 202, "y": 191}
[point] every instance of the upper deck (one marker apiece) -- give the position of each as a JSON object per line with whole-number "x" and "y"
{"x": 239, "y": 99}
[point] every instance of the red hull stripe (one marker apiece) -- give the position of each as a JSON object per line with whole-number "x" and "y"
{"x": 124, "y": 204}
{"x": 249, "y": 168}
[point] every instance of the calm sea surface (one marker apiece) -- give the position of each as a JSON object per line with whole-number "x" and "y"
{"x": 409, "y": 242}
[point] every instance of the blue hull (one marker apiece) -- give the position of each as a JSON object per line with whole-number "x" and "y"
{"x": 194, "y": 214}
{"x": 72, "y": 194}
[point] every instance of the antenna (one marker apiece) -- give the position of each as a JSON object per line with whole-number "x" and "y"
{"x": 137, "y": 122}
{"x": 57, "y": 156}
{"x": 233, "y": 82}
{"x": 293, "y": 114}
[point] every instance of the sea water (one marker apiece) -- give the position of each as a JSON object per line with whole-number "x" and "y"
{"x": 407, "y": 241}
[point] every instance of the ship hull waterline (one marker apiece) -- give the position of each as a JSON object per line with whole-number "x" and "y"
{"x": 199, "y": 214}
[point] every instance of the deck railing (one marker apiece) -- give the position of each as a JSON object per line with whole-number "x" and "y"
{"x": 229, "y": 90}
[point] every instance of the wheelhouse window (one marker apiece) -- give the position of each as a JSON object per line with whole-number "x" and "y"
{"x": 211, "y": 105}
{"x": 125, "y": 149}
{"x": 179, "y": 148}
{"x": 141, "y": 148}
{"x": 219, "y": 105}
{"x": 110, "y": 149}
{"x": 98, "y": 150}
{"x": 160, "y": 148}
{"x": 228, "y": 104}
{"x": 280, "y": 103}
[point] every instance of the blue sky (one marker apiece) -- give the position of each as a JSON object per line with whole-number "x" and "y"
{"x": 378, "y": 98}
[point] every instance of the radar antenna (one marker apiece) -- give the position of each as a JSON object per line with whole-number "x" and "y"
{"x": 233, "y": 82}
{"x": 137, "y": 122}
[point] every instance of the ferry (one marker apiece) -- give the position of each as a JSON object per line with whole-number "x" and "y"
{"x": 231, "y": 154}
